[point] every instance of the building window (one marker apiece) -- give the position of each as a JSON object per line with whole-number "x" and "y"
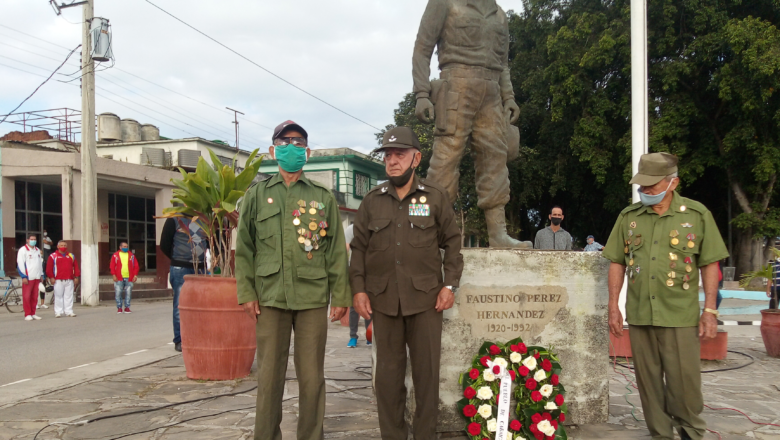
{"x": 362, "y": 184}
{"x": 37, "y": 207}
{"x": 131, "y": 219}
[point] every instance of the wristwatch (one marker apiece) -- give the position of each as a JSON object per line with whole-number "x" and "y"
{"x": 713, "y": 311}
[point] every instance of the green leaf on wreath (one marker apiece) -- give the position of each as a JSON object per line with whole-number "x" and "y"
{"x": 484, "y": 350}
{"x": 564, "y": 408}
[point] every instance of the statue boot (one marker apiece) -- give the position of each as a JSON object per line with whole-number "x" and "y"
{"x": 496, "y": 226}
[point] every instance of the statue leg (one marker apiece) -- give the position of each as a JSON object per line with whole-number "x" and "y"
{"x": 445, "y": 163}
{"x": 490, "y": 145}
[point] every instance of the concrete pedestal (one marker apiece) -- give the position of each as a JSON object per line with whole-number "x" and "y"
{"x": 548, "y": 298}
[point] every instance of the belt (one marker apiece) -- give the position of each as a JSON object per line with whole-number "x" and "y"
{"x": 453, "y": 70}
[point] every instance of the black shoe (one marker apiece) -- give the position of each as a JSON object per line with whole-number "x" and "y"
{"x": 684, "y": 435}
{"x": 177, "y": 347}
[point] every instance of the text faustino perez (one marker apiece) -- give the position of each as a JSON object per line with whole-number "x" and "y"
{"x": 510, "y": 311}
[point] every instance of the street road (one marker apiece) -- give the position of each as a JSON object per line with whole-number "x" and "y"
{"x": 29, "y": 349}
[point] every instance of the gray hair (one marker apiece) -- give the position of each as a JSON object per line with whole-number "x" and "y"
{"x": 671, "y": 176}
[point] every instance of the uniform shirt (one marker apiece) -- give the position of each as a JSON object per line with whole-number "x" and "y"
{"x": 395, "y": 252}
{"x": 272, "y": 266}
{"x": 62, "y": 266}
{"x": 28, "y": 262}
{"x": 595, "y": 247}
{"x": 653, "y": 260}
{"x": 466, "y": 33}
{"x": 548, "y": 240}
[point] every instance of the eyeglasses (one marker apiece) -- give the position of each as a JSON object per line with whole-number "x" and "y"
{"x": 297, "y": 141}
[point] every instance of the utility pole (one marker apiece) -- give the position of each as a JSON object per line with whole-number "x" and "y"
{"x": 235, "y": 121}
{"x": 89, "y": 222}
{"x": 639, "y": 119}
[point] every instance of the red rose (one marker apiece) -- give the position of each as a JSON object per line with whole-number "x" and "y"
{"x": 523, "y": 370}
{"x": 559, "y": 399}
{"x": 512, "y": 374}
{"x": 469, "y": 411}
{"x": 533, "y": 428}
{"x": 536, "y": 418}
{"x": 496, "y": 369}
{"x": 562, "y": 417}
{"x": 484, "y": 360}
{"x": 536, "y": 355}
{"x": 515, "y": 425}
{"x": 536, "y": 396}
{"x": 474, "y": 374}
{"x": 555, "y": 424}
{"x": 530, "y": 383}
{"x": 475, "y": 428}
{"x": 549, "y": 437}
{"x": 546, "y": 365}
{"x": 513, "y": 347}
{"x": 494, "y": 350}
{"x": 497, "y": 396}
{"x": 554, "y": 380}
{"x": 546, "y": 416}
{"x": 521, "y": 348}
{"x": 469, "y": 393}
{"x": 539, "y": 436}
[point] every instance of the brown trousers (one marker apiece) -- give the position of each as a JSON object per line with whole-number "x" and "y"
{"x": 668, "y": 373}
{"x": 422, "y": 334}
{"x": 273, "y": 351}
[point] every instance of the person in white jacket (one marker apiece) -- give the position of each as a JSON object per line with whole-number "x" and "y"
{"x": 29, "y": 264}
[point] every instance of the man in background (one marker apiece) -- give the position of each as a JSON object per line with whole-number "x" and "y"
{"x": 48, "y": 246}
{"x": 124, "y": 270}
{"x": 592, "y": 245}
{"x": 28, "y": 265}
{"x": 354, "y": 316}
{"x": 553, "y": 237}
{"x": 62, "y": 270}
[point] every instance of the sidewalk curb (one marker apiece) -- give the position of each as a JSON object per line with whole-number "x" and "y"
{"x": 16, "y": 392}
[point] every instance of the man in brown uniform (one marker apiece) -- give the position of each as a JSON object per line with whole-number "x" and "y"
{"x": 474, "y": 101}
{"x": 396, "y": 273}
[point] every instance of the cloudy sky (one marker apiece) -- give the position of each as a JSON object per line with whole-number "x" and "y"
{"x": 354, "y": 54}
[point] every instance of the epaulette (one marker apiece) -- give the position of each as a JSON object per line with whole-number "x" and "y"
{"x": 378, "y": 187}
{"x": 319, "y": 184}
{"x": 632, "y": 207}
{"x": 433, "y": 185}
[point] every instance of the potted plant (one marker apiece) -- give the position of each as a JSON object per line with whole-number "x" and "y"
{"x": 770, "y": 318}
{"x": 218, "y": 338}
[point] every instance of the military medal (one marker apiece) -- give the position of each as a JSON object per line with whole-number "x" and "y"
{"x": 672, "y": 265}
{"x": 686, "y": 286}
{"x": 632, "y": 225}
{"x": 672, "y": 274}
{"x": 414, "y": 200}
{"x": 301, "y": 203}
{"x": 688, "y": 262}
{"x": 630, "y": 233}
{"x": 691, "y": 237}
{"x": 687, "y": 277}
{"x": 672, "y": 256}
{"x": 670, "y": 282}
{"x": 296, "y": 220}
{"x": 423, "y": 199}
{"x": 309, "y": 255}
{"x": 674, "y": 235}
{"x": 301, "y": 240}
{"x": 313, "y": 225}
{"x": 638, "y": 241}
{"x": 270, "y": 200}
{"x": 675, "y": 242}
{"x": 682, "y": 208}
{"x": 631, "y": 262}
{"x": 686, "y": 225}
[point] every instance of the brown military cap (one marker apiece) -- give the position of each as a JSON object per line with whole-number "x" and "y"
{"x": 653, "y": 168}
{"x": 399, "y": 137}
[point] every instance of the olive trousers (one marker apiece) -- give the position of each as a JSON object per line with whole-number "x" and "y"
{"x": 668, "y": 372}
{"x": 273, "y": 350}
{"x": 422, "y": 334}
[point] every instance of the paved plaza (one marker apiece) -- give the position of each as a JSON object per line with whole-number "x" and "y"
{"x": 178, "y": 408}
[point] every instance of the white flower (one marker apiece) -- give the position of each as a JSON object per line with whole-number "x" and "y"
{"x": 530, "y": 363}
{"x": 501, "y": 362}
{"x": 551, "y": 406}
{"x": 491, "y": 425}
{"x": 546, "y": 428}
{"x": 540, "y": 375}
{"x": 546, "y": 390}
{"x": 515, "y": 357}
{"x": 519, "y": 437}
{"x": 488, "y": 375}
{"x": 485, "y": 411}
{"x": 484, "y": 393}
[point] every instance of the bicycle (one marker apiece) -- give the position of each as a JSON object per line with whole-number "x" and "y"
{"x": 11, "y": 298}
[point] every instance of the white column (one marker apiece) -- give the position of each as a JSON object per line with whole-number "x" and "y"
{"x": 639, "y": 118}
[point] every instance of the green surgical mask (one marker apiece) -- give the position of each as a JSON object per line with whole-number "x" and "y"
{"x": 290, "y": 158}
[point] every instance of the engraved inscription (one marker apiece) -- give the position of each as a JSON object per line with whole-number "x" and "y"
{"x": 506, "y": 312}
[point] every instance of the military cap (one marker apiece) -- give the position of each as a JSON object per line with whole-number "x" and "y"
{"x": 399, "y": 137}
{"x": 289, "y": 125}
{"x": 653, "y": 168}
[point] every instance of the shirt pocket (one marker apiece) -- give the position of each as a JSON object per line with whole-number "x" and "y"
{"x": 268, "y": 234}
{"x": 500, "y": 35}
{"x": 380, "y": 234}
{"x": 423, "y": 232}
{"x": 376, "y": 285}
{"x": 267, "y": 280}
{"x": 311, "y": 285}
{"x": 466, "y": 31}
{"x": 427, "y": 283}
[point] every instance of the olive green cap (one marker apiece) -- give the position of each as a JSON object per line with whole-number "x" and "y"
{"x": 399, "y": 137}
{"x": 653, "y": 168}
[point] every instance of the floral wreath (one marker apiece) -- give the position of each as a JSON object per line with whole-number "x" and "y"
{"x": 534, "y": 372}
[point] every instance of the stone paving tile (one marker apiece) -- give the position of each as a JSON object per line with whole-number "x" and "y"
{"x": 350, "y": 404}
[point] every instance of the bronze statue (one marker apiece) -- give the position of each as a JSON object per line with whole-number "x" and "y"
{"x": 473, "y": 100}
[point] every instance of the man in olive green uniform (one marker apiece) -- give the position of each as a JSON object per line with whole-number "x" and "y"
{"x": 473, "y": 100}
{"x": 396, "y": 273}
{"x": 291, "y": 261}
{"x": 660, "y": 244}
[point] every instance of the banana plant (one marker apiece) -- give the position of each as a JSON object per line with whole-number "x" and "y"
{"x": 211, "y": 196}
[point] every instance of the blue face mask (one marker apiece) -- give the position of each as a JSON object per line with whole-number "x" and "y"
{"x": 290, "y": 158}
{"x": 33, "y": 242}
{"x": 124, "y": 249}
{"x": 649, "y": 200}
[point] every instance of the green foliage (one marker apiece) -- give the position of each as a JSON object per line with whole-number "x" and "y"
{"x": 210, "y": 195}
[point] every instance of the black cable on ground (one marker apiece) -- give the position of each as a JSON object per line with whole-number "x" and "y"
{"x": 752, "y": 360}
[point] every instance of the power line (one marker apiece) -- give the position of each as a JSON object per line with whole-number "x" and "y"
{"x": 261, "y": 67}
{"x": 44, "y": 82}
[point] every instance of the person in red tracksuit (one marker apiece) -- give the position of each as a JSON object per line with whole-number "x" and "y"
{"x": 124, "y": 269}
{"x": 62, "y": 270}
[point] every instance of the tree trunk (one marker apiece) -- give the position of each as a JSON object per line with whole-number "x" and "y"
{"x": 748, "y": 252}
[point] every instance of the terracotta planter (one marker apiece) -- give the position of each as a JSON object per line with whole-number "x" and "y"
{"x": 217, "y": 336}
{"x": 770, "y": 331}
